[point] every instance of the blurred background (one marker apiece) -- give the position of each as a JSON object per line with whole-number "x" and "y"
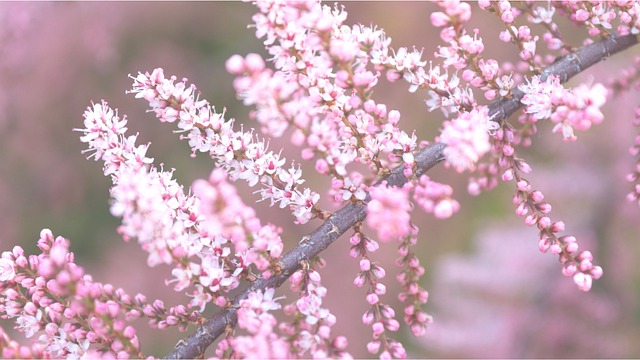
{"x": 492, "y": 294}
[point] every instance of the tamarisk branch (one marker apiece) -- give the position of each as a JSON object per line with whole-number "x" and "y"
{"x": 345, "y": 218}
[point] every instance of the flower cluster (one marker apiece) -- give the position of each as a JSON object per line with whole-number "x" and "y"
{"x": 254, "y": 316}
{"x": 307, "y": 335}
{"x": 467, "y": 138}
{"x": 434, "y": 197}
{"x": 380, "y": 316}
{"x": 575, "y": 109}
{"x": 413, "y": 295}
{"x": 529, "y": 204}
{"x": 599, "y": 18}
{"x": 309, "y": 331}
{"x": 463, "y": 52}
{"x": 241, "y": 154}
{"x": 388, "y": 212}
{"x": 226, "y": 214}
{"x": 155, "y": 211}
{"x": 321, "y": 86}
{"x": 69, "y": 315}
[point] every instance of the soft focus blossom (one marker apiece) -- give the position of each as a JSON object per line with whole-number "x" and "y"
{"x": 435, "y": 198}
{"x": 388, "y": 212}
{"x": 467, "y": 138}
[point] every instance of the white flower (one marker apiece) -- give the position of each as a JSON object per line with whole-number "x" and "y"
{"x": 7, "y": 271}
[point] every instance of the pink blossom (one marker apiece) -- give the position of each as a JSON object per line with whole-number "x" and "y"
{"x": 439, "y": 19}
{"x": 208, "y": 131}
{"x": 570, "y": 110}
{"x": 435, "y": 198}
{"x": 467, "y": 138}
{"x": 543, "y": 14}
{"x": 388, "y": 212}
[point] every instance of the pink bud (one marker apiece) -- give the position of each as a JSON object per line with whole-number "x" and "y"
{"x": 393, "y": 75}
{"x": 367, "y": 318}
{"x": 582, "y": 15}
{"x": 365, "y": 265}
{"x": 544, "y": 207}
{"x": 531, "y": 219}
{"x": 30, "y": 308}
{"x": 372, "y": 299}
{"x": 340, "y": 342}
{"x": 543, "y": 245}
{"x": 93, "y": 337}
{"x": 129, "y": 332}
{"x": 354, "y": 252}
{"x": 387, "y": 311}
{"x": 571, "y": 247}
{"x": 585, "y": 265}
{"x": 523, "y": 166}
{"x": 418, "y": 329}
{"x": 296, "y": 278}
{"x": 314, "y": 276}
{"x": 51, "y": 329}
{"x": 378, "y": 272}
{"x": 523, "y": 185}
{"x": 254, "y": 63}
{"x": 373, "y": 347}
{"x": 596, "y": 272}
{"x": 507, "y": 175}
{"x": 371, "y": 245}
{"x": 439, "y": 19}
{"x": 378, "y": 329}
{"x": 569, "y": 269}
{"x": 586, "y": 255}
{"x": 22, "y": 262}
{"x": 557, "y": 226}
{"x": 393, "y": 325}
{"x": 544, "y": 222}
{"x": 380, "y": 289}
{"x": 235, "y": 65}
{"x": 322, "y": 167}
{"x": 507, "y": 150}
{"x": 522, "y": 209}
{"x": 583, "y": 281}
{"x": 445, "y": 208}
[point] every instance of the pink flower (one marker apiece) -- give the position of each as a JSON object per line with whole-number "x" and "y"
{"x": 539, "y": 95}
{"x": 242, "y": 154}
{"x": 435, "y": 198}
{"x": 569, "y": 109}
{"x": 388, "y": 212}
{"x": 467, "y": 138}
{"x": 309, "y": 305}
{"x": 30, "y": 324}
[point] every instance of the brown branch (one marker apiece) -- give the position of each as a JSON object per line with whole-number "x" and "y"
{"x": 342, "y": 220}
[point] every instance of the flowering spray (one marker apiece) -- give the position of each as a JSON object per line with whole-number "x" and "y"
{"x": 317, "y": 87}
